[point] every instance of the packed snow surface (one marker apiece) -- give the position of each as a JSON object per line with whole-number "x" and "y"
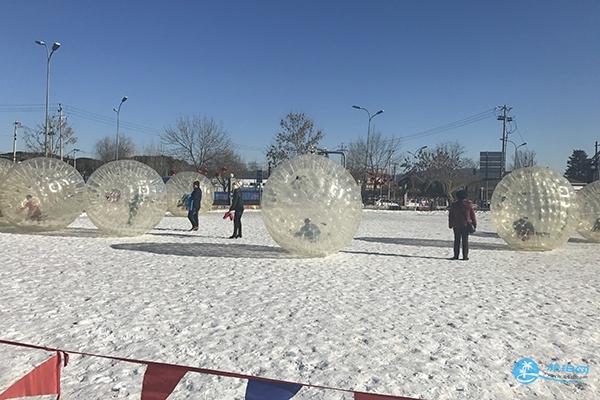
{"x": 388, "y": 314}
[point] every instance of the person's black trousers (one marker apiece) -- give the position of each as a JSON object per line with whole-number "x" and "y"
{"x": 237, "y": 223}
{"x": 461, "y": 234}
{"x": 193, "y": 217}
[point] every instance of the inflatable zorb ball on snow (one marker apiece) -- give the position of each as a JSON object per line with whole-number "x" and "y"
{"x": 42, "y": 194}
{"x": 588, "y": 199}
{"x": 126, "y": 198}
{"x": 5, "y": 166}
{"x": 179, "y": 188}
{"x": 534, "y": 209}
{"x": 311, "y": 206}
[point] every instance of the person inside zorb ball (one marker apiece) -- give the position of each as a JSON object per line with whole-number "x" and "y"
{"x": 42, "y": 194}
{"x": 126, "y": 198}
{"x": 311, "y": 206}
{"x": 534, "y": 209}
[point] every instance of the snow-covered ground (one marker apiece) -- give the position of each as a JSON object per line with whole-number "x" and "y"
{"x": 389, "y": 314}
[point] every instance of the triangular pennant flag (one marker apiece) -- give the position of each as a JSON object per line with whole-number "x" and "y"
{"x": 369, "y": 396}
{"x": 262, "y": 390}
{"x": 160, "y": 381}
{"x": 42, "y": 380}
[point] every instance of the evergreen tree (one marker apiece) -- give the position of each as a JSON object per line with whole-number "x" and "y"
{"x": 297, "y": 136}
{"x": 579, "y": 167}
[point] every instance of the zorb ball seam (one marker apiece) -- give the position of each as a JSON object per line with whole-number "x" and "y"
{"x": 311, "y": 206}
{"x": 534, "y": 208}
{"x": 42, "y": 194}
{"x": 126, "y": 198}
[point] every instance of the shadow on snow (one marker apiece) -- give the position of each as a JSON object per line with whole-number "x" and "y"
{"x": 233, "y": 250}
{"x": 432, "y": 243}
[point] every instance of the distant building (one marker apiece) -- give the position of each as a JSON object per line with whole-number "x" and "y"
{"x": 577, "y": 185}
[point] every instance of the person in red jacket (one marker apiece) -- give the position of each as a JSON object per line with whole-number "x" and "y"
{"x": 462, "y": 220}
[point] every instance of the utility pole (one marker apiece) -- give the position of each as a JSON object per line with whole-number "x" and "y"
{"x": 596, "y": 163}
{"x": 60, "y": 135}
{"x": 17, "y": 125}
{"x": 504, "y": 118}
{"x": 394, "y": 178}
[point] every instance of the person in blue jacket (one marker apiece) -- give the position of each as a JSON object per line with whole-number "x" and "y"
{"x": 194, "y": 205}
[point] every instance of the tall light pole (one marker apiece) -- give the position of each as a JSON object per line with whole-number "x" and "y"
{"x": 118, "y": 111}
{"x": 49, "y": 53}
{"x": 368, "y": 137}
{"x": 74, "y": 151}
{"x": 516, "y": 148}
{"x": 17, "y": 125}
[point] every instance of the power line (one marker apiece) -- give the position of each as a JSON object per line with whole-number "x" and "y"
{"x": 106, "y": 118}
{"x": 451, "y": 125}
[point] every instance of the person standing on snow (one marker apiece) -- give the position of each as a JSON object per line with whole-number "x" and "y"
{"x": 194, "y": 205}
{"x": 237, "y": 205}
{"x": 461, "y": 219}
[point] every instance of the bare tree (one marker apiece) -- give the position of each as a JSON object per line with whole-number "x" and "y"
{"x": 447, "y": 167}
{"x": 229, "y": 160}
{"x": 105, "y": 148}
{"x": 35, "y": 138}
{"x": 383, "y": 153}
{"x": 524, "y": 158}
{"x": 197, "y": 140}
{"x": 297, "y": 135}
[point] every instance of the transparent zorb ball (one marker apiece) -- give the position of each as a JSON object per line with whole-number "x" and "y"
{"x": 5, "y": 166}
{"x": 179, "y": 188}
{"x": 534, "y": 209}
{"x": 588, "y": 199}
{"x": 42, "y": 194}
{"x": 126, "y": 198}
{"x": 311, "y": 206}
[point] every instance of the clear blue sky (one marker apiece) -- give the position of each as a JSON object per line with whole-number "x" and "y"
{"x": 248, "y": 63}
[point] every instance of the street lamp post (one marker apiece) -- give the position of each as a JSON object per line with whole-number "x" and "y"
{"x": 516, "y": 154}
{"x": 118, "y": 111}
{"x": 368, "y": 138}
{"x": 49, "y": 53}
{"x": 17, "y": 125}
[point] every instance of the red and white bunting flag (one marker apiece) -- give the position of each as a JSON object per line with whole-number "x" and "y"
{"x": 160, "y": 380}
{"x": 42, "y": 380}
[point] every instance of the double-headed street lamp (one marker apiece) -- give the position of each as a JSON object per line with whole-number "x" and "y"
{"x": 368, "y": 139}
{"x": 49, "y": 53}
{"x": 118, "y": 111}
{"x": 516, "y": 153}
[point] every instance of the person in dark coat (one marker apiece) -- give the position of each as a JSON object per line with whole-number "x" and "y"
{"x": 237, "y": 205}
{"x": 462, "y": 220}
{"x": 194, "y": 205}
